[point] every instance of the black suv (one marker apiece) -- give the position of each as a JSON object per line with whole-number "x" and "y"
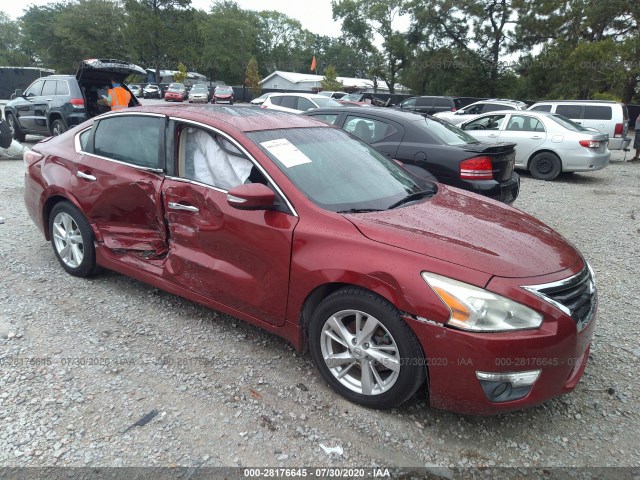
{"x": 431, "y": 105}
{"x": 53, "y": 104}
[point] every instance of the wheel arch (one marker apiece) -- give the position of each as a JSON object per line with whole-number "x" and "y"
{"x": 48, "y": 206}
{"x": 52, "y": 117}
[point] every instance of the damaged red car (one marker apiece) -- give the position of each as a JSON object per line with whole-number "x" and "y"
{"x": 396, "y": 284}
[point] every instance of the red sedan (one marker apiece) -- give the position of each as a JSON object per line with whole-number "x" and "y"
{"x": 394, "y": 283}
{"x": 176, "y": 92}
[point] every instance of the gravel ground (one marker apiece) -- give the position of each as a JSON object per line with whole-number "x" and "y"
{"x": 82, "y": 360}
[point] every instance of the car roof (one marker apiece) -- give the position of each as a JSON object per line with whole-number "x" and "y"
{"x": 299, "y": 94}
{"x": 535, "y": 113}
{"x": 609, "y": 102}
{"x": 390, "y": 113}
{"x": 244, "y": 119}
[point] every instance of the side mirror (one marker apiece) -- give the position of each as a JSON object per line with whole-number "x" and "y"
{"x": 461, "y": 112}
{"x": 251, "y": 196}
{"x": 18, "y": 93}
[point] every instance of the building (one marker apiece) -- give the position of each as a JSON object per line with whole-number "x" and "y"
{"x": 289, "y": 81}
{"x": 166, "y": 76}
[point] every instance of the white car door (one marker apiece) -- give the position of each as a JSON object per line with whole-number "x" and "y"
{"x": 485, "y": 128}
{"x": 527, "y": 132}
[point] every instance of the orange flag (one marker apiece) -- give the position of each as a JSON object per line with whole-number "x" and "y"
{"x": 313, "y": 63}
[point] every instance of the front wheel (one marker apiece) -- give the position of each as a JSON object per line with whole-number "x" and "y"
{"x": 6, "y": 137}
{"x": 365, "y": 350}
{"x": 72, "y": 240}
{"x": 15, "y": 128}
{"x": 545, "y": 166}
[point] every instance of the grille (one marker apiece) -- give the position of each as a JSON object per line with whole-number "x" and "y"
{"x": 576, "y": 296}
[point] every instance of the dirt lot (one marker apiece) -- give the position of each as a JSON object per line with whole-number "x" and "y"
{"x": 82, "y": 360}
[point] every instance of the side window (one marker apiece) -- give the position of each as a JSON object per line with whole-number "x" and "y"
{"x": 368, "y": 129}
{"x": 424, "y": 102}
{"x": 516, "y": 122}
{"x": 569, "y": 111}
{"x": 490, "y": 122}
{"x": 289, "y": 102}
{"x": 275, "y": 100}
{"x": 49, "y": 87}
{"x": 62, "y": 88}
{"x": 442, "y": 102}
{"x": 492, "y": 107}
{"x": 35, "y": 89}
{"x": 597, "y": 112}
{"x": 329, "y": 118}
{"x": 542, "y": 108}
{"x": 84, "y": 139}
{"x": 305, "y": 104}
{"x": 211, "y": 159}
{"x": 408, "y": 103}
{"x": 475, "y": 109}
{"x": 130, "y": 139}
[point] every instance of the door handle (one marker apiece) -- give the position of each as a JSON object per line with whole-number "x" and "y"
{"x": 536, "y": 137}
{"x": 49, "y": 99}
{"x": 493, "y": 135}
{"x": 86, "y": 176}
{"x": 180, "y": 206}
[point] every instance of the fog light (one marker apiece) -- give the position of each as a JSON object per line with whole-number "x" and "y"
{"x": 504, "y": 387}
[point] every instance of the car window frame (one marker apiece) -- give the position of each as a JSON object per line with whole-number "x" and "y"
{"x": 371, "y": 118}
{"x": 39, "y": 81}
{"x": 46, "y": 82}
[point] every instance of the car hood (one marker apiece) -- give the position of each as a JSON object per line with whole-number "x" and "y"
{"x": 467, "y": 230}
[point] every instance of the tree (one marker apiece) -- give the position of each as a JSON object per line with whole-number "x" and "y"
{"x": 10, "y": 43}
{"x": 361, "y": 21}
{"x": 330, "y": 82}
{"x": 149, "y": 30}
{"x": 253, "y": 77}
{"x": 181, "y": 74}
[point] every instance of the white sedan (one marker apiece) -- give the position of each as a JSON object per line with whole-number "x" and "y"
{"x": 546, "y": 143}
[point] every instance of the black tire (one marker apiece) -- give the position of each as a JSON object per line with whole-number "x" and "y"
{"x": 65, "y": 223}
{"x": 58, "y": 127}
{"x": 545, "y": 166}
{"x": 18, "y": 134}
{"x": 401, "y": 368}
{"x": 231, "y": 102}
{"x": 5, "y": 134}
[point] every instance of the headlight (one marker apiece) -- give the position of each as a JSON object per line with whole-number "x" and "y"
{"x": 479, "y": 310}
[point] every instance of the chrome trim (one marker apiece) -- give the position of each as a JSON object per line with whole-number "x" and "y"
{"x": 76, "y": 140}
{"x": 195, "y": 182}
{"x": 119, "y": 162}
{"x": 234, "y": 199}
{"x": 244, "y": 151}
{"x": 186, "y": 208}
{"x": 85, "y": 176}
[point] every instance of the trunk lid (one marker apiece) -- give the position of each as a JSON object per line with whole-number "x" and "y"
{"x": 503, "y": 157}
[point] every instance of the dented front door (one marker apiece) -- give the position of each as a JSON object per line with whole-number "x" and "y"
{"x": 240, "y": 259}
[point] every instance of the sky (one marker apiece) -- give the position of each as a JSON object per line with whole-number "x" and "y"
{"x": 314, "y": 16}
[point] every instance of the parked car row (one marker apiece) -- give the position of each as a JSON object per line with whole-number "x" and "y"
{"x": 395, "y": 283}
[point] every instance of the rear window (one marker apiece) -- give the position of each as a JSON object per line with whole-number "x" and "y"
{"x": 541, "y": 108}
{"x": 569, "y": 111}
{"x": 326, "y": 102}
{"x": 443, "y": 132}
{"x": 441, "y": 102}
{"x": 567, "y": 123}
{"x": 597, "y": 112}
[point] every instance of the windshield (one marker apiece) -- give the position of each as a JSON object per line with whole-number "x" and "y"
{"x": 326, "y": 102}
{"x": 224, "y": 90}
{"x": 336, "y": 171}
{"x": 354, "y": 97}
{"x": 445, "y": 132}
{"x": 568, "y": 124}
{"x": 199, "y": 88}
{"x": 176, "y": 86}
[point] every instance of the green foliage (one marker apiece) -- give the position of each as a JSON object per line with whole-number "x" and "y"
{"x": 329, "y": 81}
{"x": 11, "y": 53}
{"x": 181, "y": 74}
{"x": 253, "y": 77}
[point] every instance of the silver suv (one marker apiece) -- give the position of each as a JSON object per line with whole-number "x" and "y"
{"x": 478, "y": 108}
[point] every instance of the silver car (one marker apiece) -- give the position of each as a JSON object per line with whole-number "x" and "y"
{"x": 476, "y": 109}
{"x": 546, "y": 143}
{"x": 199, "y": 93}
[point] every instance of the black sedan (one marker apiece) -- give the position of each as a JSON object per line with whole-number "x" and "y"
{"x": 431, "y": 148}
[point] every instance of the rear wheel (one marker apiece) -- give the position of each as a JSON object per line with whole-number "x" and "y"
{"x": 72, "y": 240}
{"x": 15, "y": 128}
{"x": 364, "y": 349}
{"x": 545, "y": 166}
{"x": 5, "y": 134}
{"x": 58, "y": 127}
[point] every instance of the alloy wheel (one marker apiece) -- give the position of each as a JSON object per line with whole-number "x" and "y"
{"x": 360, "y": 352}
{"x": 67, "y": 239}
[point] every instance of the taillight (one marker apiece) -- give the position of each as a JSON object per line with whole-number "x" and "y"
{"x": 590, "y": 143}
{"x": 453, "y": 109}
{"x": 477, "y": 168}
{"x": 77, "y": 103}
{"x": 618, "y": 130}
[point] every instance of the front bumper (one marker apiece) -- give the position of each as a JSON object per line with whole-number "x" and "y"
{"x": 454, "y": 357}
